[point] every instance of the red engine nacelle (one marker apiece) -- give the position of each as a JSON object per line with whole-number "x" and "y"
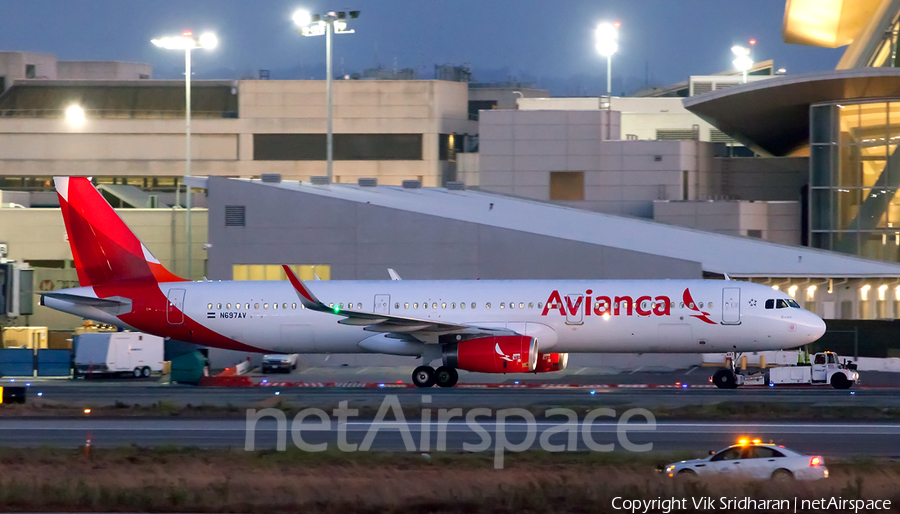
{"x": 495, "y": 354}
{"x": 551, "y": 362}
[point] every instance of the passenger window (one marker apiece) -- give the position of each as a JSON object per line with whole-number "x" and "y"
{"x": 237, "y": 306}
{"x": 462, "y": 305}
{"x": 521, "y": 305}
{"x": 396, "y": 305}
{"x": 209, "y": 306}
{"x": 709, "y": 305}
{"x": 416, "y": 305}
{"x": 681, "y": 305}
{"x": 487, "y": 305}
{"x": 359, "y": 306}
{"x": 501, "y": 305}
{"x": 275, "y": 306}
{"x": 531, "y": 305}
{"x": 247, "y": 306}
{"x": 256, "y": 306}
{"x": 227, "y": 305}
{"x": 406, "y": 305}
{"x": 473, "y": 305}
{"x": 443, "y": 305}
{"x": 764, "y": 452}
{"x": 452, "y": 305}
{"x": 284, "y": 306}
{"x": 770, "y": 304}
{"x": 265, "y": 306}
{"x": 733, "y": 453}
{"x": 434, "y": 305}
{"x": 293, "y": 305}
{"x": 540, "y": 305}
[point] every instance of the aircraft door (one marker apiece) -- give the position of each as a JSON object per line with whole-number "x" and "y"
{"x": 382, "y": 304}
{"x": 574, "y": 305}
{"x": 731, "y": 306}
{"x": 175, "y": 307}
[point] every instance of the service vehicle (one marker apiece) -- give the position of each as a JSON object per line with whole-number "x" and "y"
{"x": 826, "y": 368}
{"x": 279, "y": 362}
{"x": 753, "y": 459}
{"x": 108, "y": 353}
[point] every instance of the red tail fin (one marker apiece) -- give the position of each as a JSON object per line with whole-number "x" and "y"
{"x": 104, "y": 248}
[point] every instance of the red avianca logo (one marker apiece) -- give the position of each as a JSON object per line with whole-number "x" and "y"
{"x": 603, "y": 305}
{"x": 619, "y": 305}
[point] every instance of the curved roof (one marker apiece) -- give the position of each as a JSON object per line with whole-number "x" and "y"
{"x": 828, "y": 23}
{"x": 772, "y": 116}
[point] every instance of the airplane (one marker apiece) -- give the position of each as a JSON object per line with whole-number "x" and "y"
{"x": 487, "y": 326}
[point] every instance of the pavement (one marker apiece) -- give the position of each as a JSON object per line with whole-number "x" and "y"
{"x": 832, "y": 440}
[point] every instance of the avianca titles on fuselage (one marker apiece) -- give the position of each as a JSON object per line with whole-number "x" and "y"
{"x": 477, "y": 325}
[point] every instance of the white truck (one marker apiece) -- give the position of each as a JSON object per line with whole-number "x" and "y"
{"x": 118, "y": 352}
{"x": 826, "y": 368}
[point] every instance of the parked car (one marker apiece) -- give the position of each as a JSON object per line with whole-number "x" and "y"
{"x": 279, "y": 362}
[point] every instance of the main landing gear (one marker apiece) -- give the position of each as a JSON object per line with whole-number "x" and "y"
{"x": 426, "y": 376}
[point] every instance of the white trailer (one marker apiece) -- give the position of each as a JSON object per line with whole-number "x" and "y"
{"x": 119, "y": 352}
{"x": 826, "y": 368}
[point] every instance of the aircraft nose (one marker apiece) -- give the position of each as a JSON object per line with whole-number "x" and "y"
{"x": 816, "y": 327}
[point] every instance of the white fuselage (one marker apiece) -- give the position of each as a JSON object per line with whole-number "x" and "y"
{"x": 662, "y": 316}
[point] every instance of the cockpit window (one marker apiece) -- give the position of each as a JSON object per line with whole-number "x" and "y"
{"x": 770, "y": 304}
{"x": 781, "y": 304}
{"x": 793, "y": 304}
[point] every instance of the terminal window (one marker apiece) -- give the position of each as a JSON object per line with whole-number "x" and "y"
{"x": 567, "y": 185}
{"x": 347, "y": 147}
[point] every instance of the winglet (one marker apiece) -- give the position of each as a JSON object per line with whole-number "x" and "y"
{"x": 308, "y": 299}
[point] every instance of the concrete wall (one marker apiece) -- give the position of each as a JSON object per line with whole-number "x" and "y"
{"x": 519, "y": 149}
{"x": 778, "y": 222}
{"x": 224, "y": 147}
{"x": 102, "y": 70}
{"x": 13, "y": 65}
{"x": 360, "y": 241}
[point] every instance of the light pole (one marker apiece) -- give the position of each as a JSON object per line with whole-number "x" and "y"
{"x": 607, "y": 36}
{"x": 187, "y": 43}
{"x": 742, "y": 60}
{"x": 326, "y": 24}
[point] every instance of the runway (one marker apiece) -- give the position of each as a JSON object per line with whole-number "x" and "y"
{"x": 827, "y": 439}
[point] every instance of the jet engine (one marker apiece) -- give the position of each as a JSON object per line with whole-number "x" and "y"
{"x": 493, "y": 354}
{"x": 551, "y": 362}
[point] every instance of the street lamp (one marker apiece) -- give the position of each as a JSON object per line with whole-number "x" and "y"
{"x": 607, "y": 37}
{"x": 187, "y": 43}
{"x": 318, "y": 25}
{"x": 742, "y": 60}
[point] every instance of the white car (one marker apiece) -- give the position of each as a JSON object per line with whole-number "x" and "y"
{"x": 279, "y": 362}
{"x": 754, "y": 460}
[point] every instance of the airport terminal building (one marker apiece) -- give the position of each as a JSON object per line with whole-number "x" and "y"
{"x": 784, "y": 180}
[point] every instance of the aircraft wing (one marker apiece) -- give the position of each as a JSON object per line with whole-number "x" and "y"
{"x": 384, "y": 323}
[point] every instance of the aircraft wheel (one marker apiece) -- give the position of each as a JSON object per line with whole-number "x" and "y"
{"x": 446, "y": 377}
{"x": 424, "y": 376}
{"x": 725, "y": 379}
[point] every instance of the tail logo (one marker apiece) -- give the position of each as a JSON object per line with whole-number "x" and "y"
{"x": 690, "y": 304}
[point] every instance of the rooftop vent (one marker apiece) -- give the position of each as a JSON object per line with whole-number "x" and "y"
{"x": 319, "y": 181}
{"x": 367, "y": 182}
{"x": 271, "y": 178}
{"x": 456, "y": 186}
{"x": 412, "y": 184}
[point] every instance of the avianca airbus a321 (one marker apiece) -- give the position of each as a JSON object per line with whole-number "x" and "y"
{"x": 488, "y": 326}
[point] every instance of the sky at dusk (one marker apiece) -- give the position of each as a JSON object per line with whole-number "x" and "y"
{"x": 548, "y": 43}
